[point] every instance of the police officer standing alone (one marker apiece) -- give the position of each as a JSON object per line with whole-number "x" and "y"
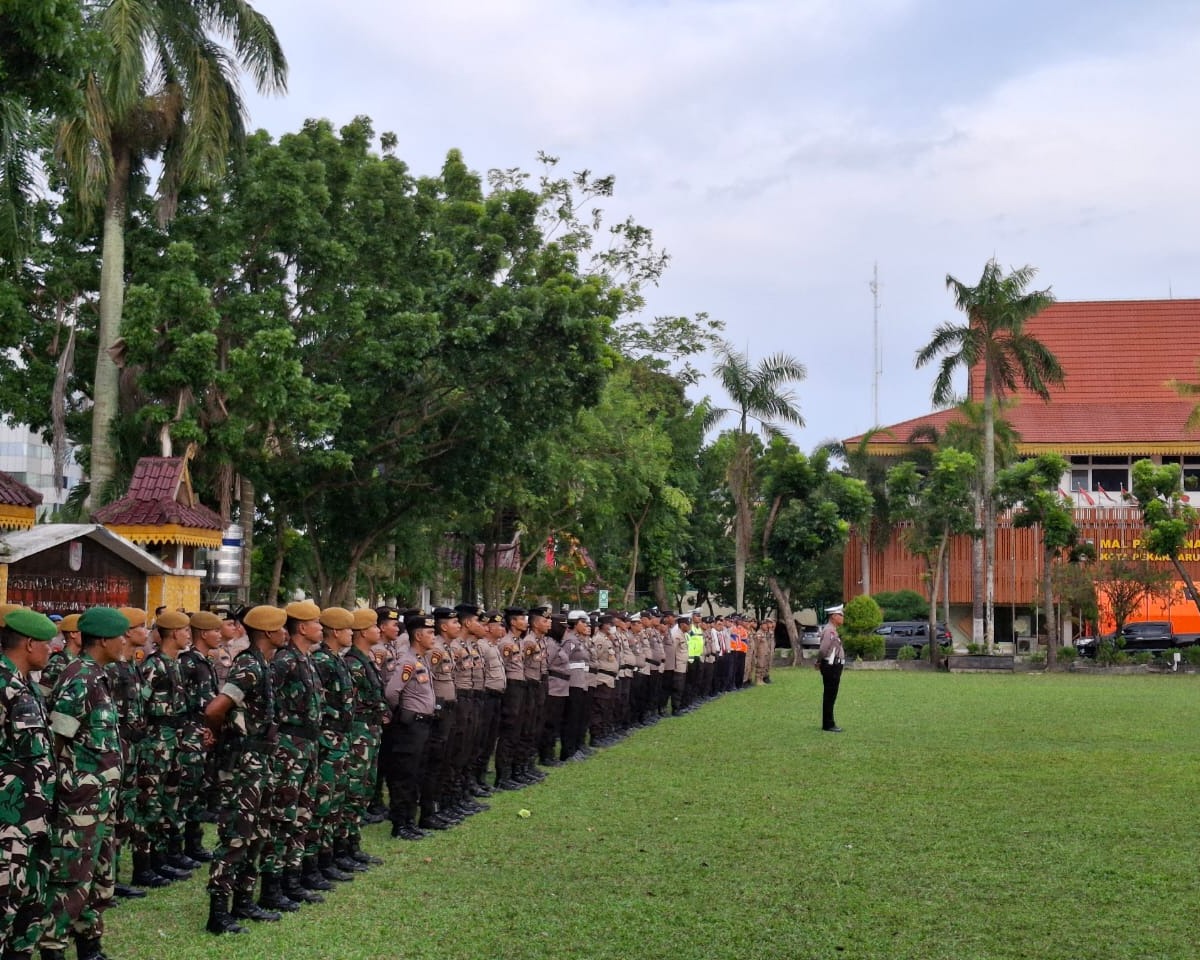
{"x": 831, "y": 660}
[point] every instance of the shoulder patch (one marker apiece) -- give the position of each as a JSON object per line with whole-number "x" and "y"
{"x": 407, "y": 672}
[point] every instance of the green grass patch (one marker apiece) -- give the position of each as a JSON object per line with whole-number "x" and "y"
{"x": 959, "y": 816}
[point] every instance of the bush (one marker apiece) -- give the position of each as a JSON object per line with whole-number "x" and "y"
{"x": 975, "y": 649}
{"x": 1038, "y": 659}
{"x": 1067, "y": 654}
{"x": 1192, "y": 655}
{"x": 1120, "y": 659}
{"x": 902, "y": 605}
{"x": 1143, "y": 657}
{"x": 907, "y": 652}
{"x": 868, "y": 646}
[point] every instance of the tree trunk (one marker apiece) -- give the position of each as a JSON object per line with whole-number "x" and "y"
{"x": 935, "y": 579}
{"x": 989, "y": 506}
{"x": 739, "y": 488}
{"x": 1048, "y": 603}
{"x": 864, "y": 558}
{"x": 391, "y": 600}
{"x": 660, "y": 593}
{"x": 105, "y": 394}
{"x": 977, "y": 576}
{"x": 1189, "y": 587}
{"x": 276, "y": 567}
{"x": 634, "y": 556}
{"x": 246, "y": 519}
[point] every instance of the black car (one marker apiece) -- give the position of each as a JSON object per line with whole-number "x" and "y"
{"x": 908, "y": 633}
{"x": 1155, "y": 636}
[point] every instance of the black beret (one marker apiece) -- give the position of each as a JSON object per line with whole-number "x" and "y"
{"x": 444, "y": 613}
{"x": 467, "y": 610}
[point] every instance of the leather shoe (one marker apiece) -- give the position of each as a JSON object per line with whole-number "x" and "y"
{"x": 832, "y": 729}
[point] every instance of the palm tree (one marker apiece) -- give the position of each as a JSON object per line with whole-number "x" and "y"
{"x": 994, "y": 338}
{"x": 966, "y": 433}
{"x": 161, "y": 88}
{"x": 760, "y": 394}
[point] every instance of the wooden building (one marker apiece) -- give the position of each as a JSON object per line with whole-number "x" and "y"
{"x": 1115, "y": 407}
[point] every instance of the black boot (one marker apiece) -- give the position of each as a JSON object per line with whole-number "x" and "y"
{"x": 310, "y": 875}
{"x": 344, "y": 860}
{"x": 244, "y": 908}
{"x": 144, "y": 874}
{"x": 219, "y": 918}
{"x": 272, "y": 897}
{"x": 361, "y": 855}
{"x": 293, "y": 889}
{"x": 49, "y": 953}
{"x": 193, "y": 842}
{"x": 126, "y": 892}
{"x": 327, "y": 869}
{"x": 159, "y": 864}
{"x": 175, "y": 855}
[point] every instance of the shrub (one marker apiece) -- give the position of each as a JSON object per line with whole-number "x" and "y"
{"x": 902, "y": 605}
{"x": 1192, "y": 655}
{"x": 868, "y": 646}
{"x": 907, "y": 652}
{"x": 975, "y": 649}
{"x": 1120, "y": 659}
{"x": 1038, "y": 659}
{"x": 1067, "y": 654}
{"x": 1143, "y": 657}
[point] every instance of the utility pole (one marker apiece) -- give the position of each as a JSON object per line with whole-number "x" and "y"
{"x": 876, "y": 350}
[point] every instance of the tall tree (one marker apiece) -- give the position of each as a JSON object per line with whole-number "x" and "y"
{"x": 937, "y": 504}
{"x": 1032, "y": 488}
{"x": 162, "y": 88}
{"x": 993, "y": 339}
{"x": 1168, "y": 518}
{"x": 760, "y": 394}
{"x": 871, "y": 469}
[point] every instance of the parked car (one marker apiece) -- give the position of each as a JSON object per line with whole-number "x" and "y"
{"x": 1155, "y": 636}
{"x": 908, "y": 633}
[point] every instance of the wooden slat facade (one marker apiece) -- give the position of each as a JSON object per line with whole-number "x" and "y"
{"x": 1018, "y": 557}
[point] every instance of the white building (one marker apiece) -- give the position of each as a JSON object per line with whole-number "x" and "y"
{"x": 25, "y": 456}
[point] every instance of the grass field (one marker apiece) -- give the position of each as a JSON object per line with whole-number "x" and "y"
{"x": 959, "y": 816}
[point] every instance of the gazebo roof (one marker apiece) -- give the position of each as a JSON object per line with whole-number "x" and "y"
{"x": 161, "y": 506}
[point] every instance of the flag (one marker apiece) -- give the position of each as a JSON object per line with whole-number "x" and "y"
{"x": 550, "y": 551}
{"x": 1107, "y": 496}
{"x": 1083, "y": 493}
{"x": 1126, "y": 495}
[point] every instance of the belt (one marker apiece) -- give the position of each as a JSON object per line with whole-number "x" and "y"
{"x": 338, "y": 726}
{"x": 608, "y": 673}
{"x": 494, "y": 694}
{"x": 297, "y": 730}
{"x": 175, "y": 722}
{"x": 559, "y": 675}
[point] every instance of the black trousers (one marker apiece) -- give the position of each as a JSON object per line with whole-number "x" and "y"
{"x": 831, "y": 679}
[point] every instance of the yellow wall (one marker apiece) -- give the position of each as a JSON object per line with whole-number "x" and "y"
{"x": 173, "y": 593}
{"x": 3, "y": 583}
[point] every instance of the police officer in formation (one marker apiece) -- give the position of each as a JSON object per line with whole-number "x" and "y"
{"x": 277, "y": 727}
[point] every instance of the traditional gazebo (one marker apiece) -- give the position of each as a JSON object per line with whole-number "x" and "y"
{"x": 18, "y": 503}
{"x": 161, "y": 513}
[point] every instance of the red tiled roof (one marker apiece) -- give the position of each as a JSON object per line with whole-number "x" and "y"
{"x": 157, "y": 495}
{"x": 16, "y": 494}
{"x": 1117, "y": 357}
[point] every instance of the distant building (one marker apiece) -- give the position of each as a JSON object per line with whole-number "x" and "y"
{"x": 25, "y": 457}
{"x": 1114, "y": 409}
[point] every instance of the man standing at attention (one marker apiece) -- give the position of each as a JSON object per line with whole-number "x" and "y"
{"x": 831, "y": 659}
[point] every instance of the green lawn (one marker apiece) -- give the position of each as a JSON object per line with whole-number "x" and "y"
{"x": 959, "y": 816}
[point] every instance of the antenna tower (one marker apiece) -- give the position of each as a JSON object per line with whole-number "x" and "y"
{"x": 877, "y": 350}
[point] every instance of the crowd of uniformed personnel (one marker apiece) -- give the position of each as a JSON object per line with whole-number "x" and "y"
{"x": 284, "y": 726}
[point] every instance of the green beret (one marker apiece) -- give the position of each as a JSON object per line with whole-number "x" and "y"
{"x": 28, "y": 623}
{"x": 103, "y": 622}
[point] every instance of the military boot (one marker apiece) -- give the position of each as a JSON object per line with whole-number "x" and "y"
{"x": 193, "y": 842}
{"x": 244, "y": 908}
{"x": 343, "y": 859}
{"x": 272, "y": 896}
{"x": 327, "y": 869}
{"x": 361, "y": 855}
{"x": 219, "y": 918}
{"x": 293, "y": 889}
{"x": 310, "y": 875}
{"x": 144, "y": 875}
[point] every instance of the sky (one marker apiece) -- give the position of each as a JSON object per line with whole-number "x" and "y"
{"x": 781, "y": 149}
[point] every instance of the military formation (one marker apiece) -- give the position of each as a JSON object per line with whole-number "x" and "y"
{"x": 286, "y": 727}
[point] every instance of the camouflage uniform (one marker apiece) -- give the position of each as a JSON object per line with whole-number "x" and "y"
{"x": 89, "y": 779}
{"x": 366, "y": 730}
{"x": 298, "y": 706}
{"x": 58, "y": 662}
{"x": 26, "y": 797}
{"x": 166, "y": 710}
{"x": 248, "y": 741}
{"x": 333, "y": 758}
{"x": 125, "y": 688}
{"x": 198, "y": 766}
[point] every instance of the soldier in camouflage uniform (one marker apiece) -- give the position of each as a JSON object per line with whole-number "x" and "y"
{"x": 69, "y": 628}
{"x": 161, "y": 766}
{"x": 198, "y": 672}
{"x": 88, "y": 748}
{"x": 27, "y": 779}
{"x": 333, "y": 764}
{"x": 292, "y": 850}
{"x": 241, "y": 718}
{"x": 125, "y": 688}
{"x": 371, "y": 713}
